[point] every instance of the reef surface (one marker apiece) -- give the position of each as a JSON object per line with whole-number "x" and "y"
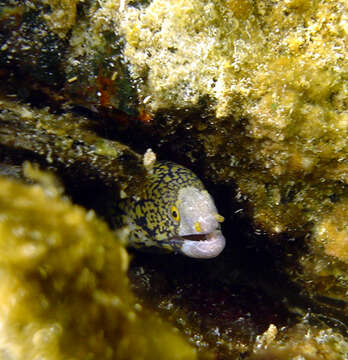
{"x": 64, "y": 286}
{"x": 252, "y": 95}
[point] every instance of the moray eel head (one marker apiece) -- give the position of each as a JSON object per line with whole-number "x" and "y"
{"x": 174, "y": 213}
{"x": 199, "y": 234}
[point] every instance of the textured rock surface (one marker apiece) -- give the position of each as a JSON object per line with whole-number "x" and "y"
{"x": 304, "y": 341}
{"x": 253, "y": 94}
{"x": 69, "y": 143}
{"x": 269, "y": 83}
{"x": 64, "y": 288}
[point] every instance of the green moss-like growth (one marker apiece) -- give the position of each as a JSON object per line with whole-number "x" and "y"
{"x": 64, "y": 288}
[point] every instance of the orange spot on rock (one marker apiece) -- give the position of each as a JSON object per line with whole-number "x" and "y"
{"x": 106, "y": 88}
{"x": 145, "y": 117}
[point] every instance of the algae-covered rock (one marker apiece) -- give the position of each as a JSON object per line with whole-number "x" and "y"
{"x": 325, "y": 266}
{"x": 60, "y": 15}
{"x": 69, "y": 142}
{"x": 259, "y": 88}
{"x": 254, "y": 93}
{"x": 64, "y": 288}
{"x": 215, "y": 312}
{"x": 302, "y": 341}
{"x": 269, "y": 82}
{"x": 39, "y": 53}
{"x": 28, "y": 49}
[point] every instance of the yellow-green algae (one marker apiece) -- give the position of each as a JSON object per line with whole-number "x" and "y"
{"x": 64, "y": 288}
{"x": 62, "y": 15}
{"x": 233, "y": 52}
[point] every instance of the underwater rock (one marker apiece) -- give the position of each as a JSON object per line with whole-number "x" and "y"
{"x": 217, "y": 315}
{"x": 48, "y": 46}
{"x": 68, "y": 143}
{"x": 238, "y": 78}
{"x": 325, "y": 265}
{"x": 255, "y": 92}
{"x": 64, "y": 286}
{"x": 266, "y": 113}
{"x": 29, "y": 51}
{"x": 302, "y": 341}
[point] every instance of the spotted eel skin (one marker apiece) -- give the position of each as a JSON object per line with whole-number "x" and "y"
{"x": 174, "y": 213}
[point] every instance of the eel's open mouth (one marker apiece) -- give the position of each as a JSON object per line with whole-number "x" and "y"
{"x": 195, "y": 237}
{"x": 201, "y": 246}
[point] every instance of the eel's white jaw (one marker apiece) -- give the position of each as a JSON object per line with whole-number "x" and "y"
{"x": 207, "y": 248}
{"x": 199, "y": 234}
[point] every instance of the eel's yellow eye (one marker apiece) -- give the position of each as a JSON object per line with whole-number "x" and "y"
{"x": 175, "y": 213}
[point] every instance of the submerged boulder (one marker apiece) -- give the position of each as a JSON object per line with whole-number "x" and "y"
{"x": 253, "y": 94}
{"x": 64, "y": 286}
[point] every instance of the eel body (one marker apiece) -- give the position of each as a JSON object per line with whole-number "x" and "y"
{"x": 174, "y": 213}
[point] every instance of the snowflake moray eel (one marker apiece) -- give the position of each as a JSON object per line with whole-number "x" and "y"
{"x": 174, "y": 213}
